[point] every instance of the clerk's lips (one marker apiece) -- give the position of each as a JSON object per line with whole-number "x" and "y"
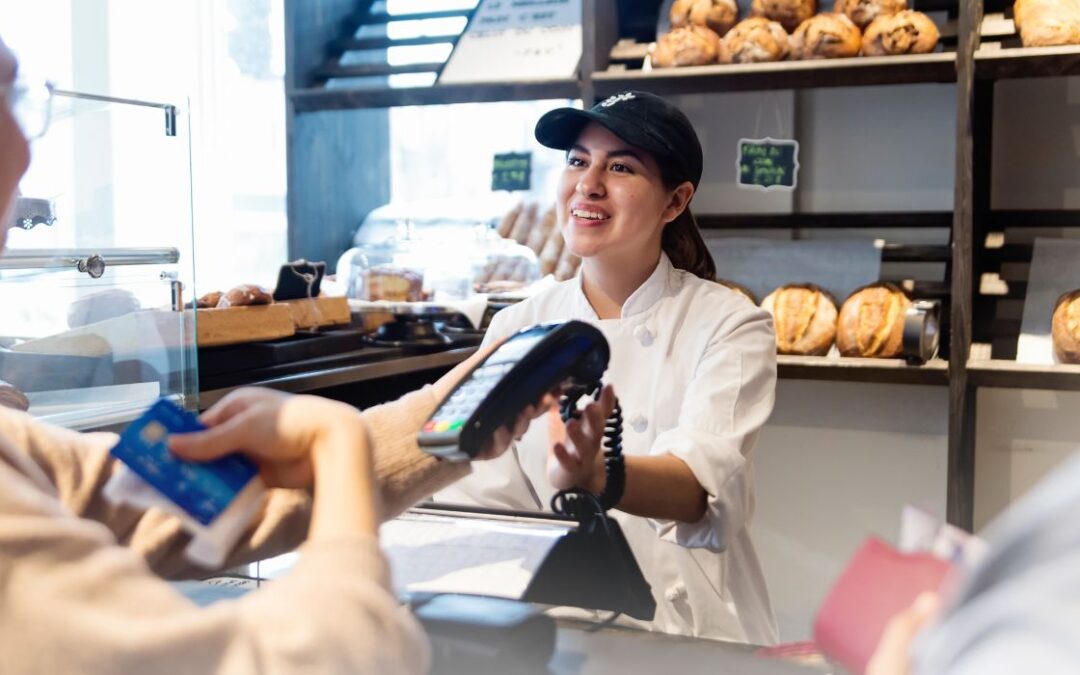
{"x": 590, "y": 213}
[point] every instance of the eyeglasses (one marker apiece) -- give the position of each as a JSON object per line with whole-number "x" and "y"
{"x": 30, "y": 102}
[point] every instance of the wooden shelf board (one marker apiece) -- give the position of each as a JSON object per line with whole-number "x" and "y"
{"x": 321, "y": 98}
{"x": 847, "y": 369}
{"x": 1012, "y": 375}
{"x": 993, "y": 62}
{"x": 853, "y": 72}
{"x": 853, "y": 220}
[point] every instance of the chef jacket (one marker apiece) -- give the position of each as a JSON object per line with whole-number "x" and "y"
{"x": 693, "y": 364}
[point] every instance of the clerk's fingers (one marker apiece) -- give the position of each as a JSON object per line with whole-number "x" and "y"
{"x": 892, "y": 654}
{"x": 498, "y": 444}
{"x": 570, "y": 462}
{"x": 217, "y": 441}
{"x": 586, "y": 445}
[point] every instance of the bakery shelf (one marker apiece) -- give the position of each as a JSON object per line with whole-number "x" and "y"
{"x": 853, "y": 72}
{"x": 322, "y": 98}
{"x": 996, "y": 62}
{"x": 849, "y": 220}
{"x": 849, "y": 369}
{"x": 1001, "y": 219}
{"x": 1005, "y": 374}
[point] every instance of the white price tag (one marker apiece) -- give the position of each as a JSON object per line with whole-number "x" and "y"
{"x": 518, "y": 40}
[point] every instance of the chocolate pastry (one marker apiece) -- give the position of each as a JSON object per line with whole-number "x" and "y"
{"x": 688, "y": 46}
{"x": 788, "y": 13}
{"x": 244, "y": 295}
{"x": 1065, "y": 330}
{"x": 716, "y": 15}
{"x": 907, "y": 32}
{"x": 209, "y": 300}
{"x": 862, "y": 12}
{"x": 826, "y": 36}
{"x": 757, "y": 40}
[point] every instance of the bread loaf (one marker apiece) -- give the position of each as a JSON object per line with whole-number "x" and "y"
{"x": 740, "y": 289}
{"x": 826, "y": 36}
{"x": 525, "y": 223}
{"x": 872, "y": 322}
{"x": 245, "y": 295}
{"x": 1047, "y": 23}
{"x": 506, "y": 225}
{"x": 539, "y": 235}
{"x": 688, "y": 46}
{"x": 549, "y": 255}
{"x": 862, "y": 12}
{"x": 1065, "y": 329}
{"x": 209, "y": 300}
{"x": 11, "y": 397}
{"x": 804, "y": 317}
{"x": 716, "y": 15}
{"x": 756, "y": 40}
{"x": 906, "y": 32}
{"x": 788, "y": 13}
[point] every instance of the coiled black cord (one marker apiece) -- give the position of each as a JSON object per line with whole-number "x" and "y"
{"x": 582, "y": 504}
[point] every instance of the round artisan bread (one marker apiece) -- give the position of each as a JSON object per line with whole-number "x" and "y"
{"x": 862, "y": 12}
{"x": 1065, "y": 329}
{"x": 906, "y": 32}
{"x": 757, "y": 40}
{"x": 872, "y": 322}
{"x": 716, "y": 15}
{"x": 788, "y": 13}
{"x": 1047, "y": 23}
{"x": 826, "y": 36}
{"x": 687, "y": 46}
{"x": 804, "y": 317}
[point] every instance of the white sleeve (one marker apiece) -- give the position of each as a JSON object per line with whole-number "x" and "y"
{"x": 498, "y": 483}
{"x": 728, "y": 400}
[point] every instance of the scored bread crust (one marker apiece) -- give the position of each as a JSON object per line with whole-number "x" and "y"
{"x": 804, "y": 317}
{"x": 687, "y": 46}
{"x": 871, "y": 322}
{"x": 788, "y": 13}
{"x": 905, "y": 32}
{"x": 716, "y": 15}
{"x": 863, "y": 12}
{"x": 757, "y": 40}
{"x": 826, "y": 36}
{"x": 1065, "y": 328}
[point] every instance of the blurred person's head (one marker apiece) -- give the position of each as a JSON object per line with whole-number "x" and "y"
{"x": 14, "y": 148}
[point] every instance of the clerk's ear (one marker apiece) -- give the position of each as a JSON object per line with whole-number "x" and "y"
{"x": 680, "y": 199}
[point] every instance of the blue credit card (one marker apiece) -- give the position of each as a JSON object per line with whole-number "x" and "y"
{"x": 203, "y": 490}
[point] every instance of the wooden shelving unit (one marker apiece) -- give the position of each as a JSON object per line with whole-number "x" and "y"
{"x": 978, "y": 51}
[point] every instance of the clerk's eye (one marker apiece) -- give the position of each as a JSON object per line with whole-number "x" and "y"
{"x": 619, "y": 167}
{"x": 575, "y": 161}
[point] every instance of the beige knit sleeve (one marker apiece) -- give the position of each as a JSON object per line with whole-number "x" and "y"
{"x": 74, "y": 602}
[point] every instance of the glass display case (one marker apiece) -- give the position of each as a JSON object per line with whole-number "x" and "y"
{"x": 98, "y": 264}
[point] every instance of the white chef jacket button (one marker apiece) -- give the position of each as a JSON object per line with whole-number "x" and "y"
{"x": 675, "y": 593}
{"x": 639, "y": 423}
{"x": 643, "y": 335}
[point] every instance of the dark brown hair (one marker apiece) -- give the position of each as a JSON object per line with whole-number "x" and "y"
{"x": 682, "y": 240}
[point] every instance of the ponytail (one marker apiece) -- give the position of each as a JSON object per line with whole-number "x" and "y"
{"x": 683, "y": 244}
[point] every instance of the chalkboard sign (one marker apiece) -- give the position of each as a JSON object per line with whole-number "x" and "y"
{"x": 767, "y": 164}
{"x": 512, "y": 171}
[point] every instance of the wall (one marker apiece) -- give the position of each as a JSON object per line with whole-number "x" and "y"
{"x": 837, "y": 461}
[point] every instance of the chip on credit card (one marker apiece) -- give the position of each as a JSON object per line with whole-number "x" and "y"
{"x": 202, "y": 489}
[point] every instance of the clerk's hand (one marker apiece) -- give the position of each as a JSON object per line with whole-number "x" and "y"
{"x": 279, "y": 432}
{"x": 575, "y": 459}
{"x": 505, "y": 435}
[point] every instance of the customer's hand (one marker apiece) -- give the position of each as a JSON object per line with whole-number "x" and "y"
{"x": 575, "y": 459}
{"x": 278, "y": 431}
{"x": 892, "y": 656}
{"x": 506, "y": 435}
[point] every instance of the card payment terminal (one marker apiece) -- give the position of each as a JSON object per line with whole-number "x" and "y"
{"x": 514, "y": 376}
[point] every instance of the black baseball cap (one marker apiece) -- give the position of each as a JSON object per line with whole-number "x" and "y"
{"x": 641, "y": 119}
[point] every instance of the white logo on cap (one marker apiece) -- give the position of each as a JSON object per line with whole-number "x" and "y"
{"x": 617, "y": 98}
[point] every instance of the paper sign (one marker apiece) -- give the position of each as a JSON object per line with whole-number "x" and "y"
{"x": 512, "y": 171}
{"x": 767, "y": 164}
{"x": 518, "y": 40}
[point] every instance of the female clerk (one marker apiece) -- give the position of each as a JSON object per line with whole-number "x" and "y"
{"x": 693, "y": 363}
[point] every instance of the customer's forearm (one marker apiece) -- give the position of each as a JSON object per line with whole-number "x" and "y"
{"x": 345, "y": 503}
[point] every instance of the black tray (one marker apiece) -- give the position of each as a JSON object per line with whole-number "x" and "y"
{"x": 303, "y": 346}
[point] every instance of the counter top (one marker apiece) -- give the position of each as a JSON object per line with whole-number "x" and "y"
{"x": 315, "y": 377}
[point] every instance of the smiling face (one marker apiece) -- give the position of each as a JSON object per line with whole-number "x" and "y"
{"x": 15, "y": 153}
{"x": 612, "y": 202}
